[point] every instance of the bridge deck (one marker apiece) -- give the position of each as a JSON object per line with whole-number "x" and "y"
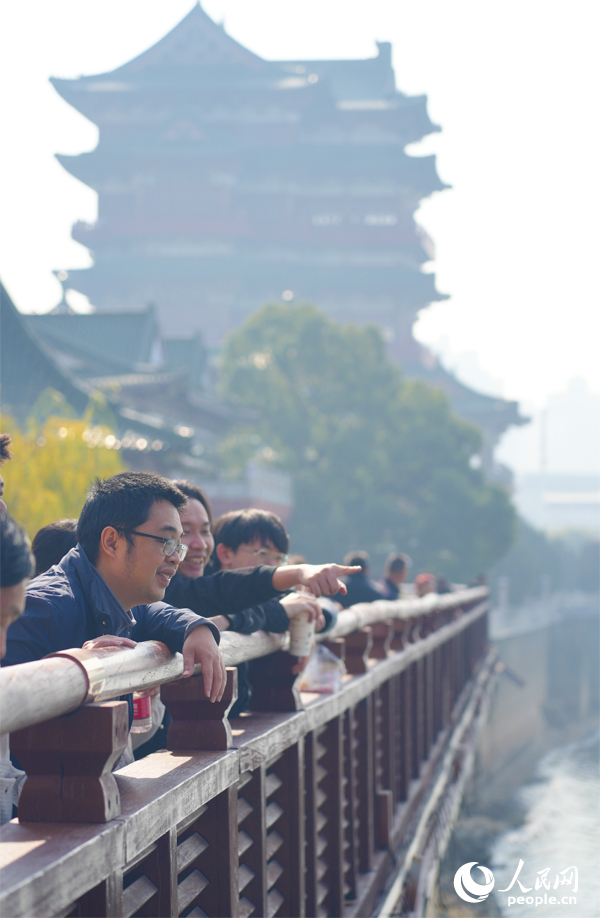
{"x": 312, "y": 812}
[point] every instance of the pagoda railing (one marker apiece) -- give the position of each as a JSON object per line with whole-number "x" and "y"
{"x": 307, "y": 806}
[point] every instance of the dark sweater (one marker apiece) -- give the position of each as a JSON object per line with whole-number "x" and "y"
{"x": 228, "y": 593}
{"x": 222, "y": 593}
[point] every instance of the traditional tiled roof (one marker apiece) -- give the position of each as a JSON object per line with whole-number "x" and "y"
{"x": 103, "y": 342}
{"x": 27, "y": 365}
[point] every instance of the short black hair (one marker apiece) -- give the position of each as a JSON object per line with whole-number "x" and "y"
{"x": 124, "y": 502}
{"x": 239, "y": 526}
{"x": 358, "y": 559}
{"x": 16, "y": 561}
{"x": 397, "y": 562}
{"x": 194, "y": 492}
{"x": 52, "y": 542}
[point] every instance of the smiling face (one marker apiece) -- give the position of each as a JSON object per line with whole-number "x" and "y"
{"x": 148, "y": 567}
{"x": 198, "y": 538}
{"x": 249, "y": 554}
{"x": 138, "y": 572}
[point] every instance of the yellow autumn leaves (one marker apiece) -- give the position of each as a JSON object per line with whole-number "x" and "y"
{"x": 53, "y": 466}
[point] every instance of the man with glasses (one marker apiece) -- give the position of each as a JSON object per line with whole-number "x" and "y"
{"x": 107, "y": 590}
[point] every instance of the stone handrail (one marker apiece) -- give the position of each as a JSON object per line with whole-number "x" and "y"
{"x": 58, "y": 684}
{"x": 291, "y": 809}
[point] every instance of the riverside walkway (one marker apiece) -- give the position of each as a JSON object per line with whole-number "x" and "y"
{"x": 308, "y": 805}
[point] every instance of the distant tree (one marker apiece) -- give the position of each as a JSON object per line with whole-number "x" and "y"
{"x": 378, "y": 462}
{"x": 55, "y": 458}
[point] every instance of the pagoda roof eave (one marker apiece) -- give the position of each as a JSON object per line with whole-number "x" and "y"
{"x": 195, "y": 38}
{"x": 21, "y": 343}
{"x": 467, "y": 401}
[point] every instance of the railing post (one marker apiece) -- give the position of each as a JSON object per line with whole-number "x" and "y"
{"x": 329, "y": 819}
{"x": 68, "y": 761}
{"x": 418, "y": 723}
{"x": 384, "y": 749}
{"x": 382, "y": 636}
{"x": 106, "y": 899}
{"x": 429, "y": 681}
{"x": 289, "y": 858}
{"x": 252, "y": 842}
{"x": 350, "y": 812}
{"x": 406, "y": 681}
{"x": 365, "y": 783}
{"x": 197, "y": 722}
{"x": 274, "y": 683}
{"x": 358, "y": 646}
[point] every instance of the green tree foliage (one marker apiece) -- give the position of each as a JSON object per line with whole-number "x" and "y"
{"x": 56, "y": 456}
{"x": 378, "y": 462}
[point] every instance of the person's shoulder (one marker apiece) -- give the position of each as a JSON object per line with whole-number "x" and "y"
{"x": 53, "y": 586}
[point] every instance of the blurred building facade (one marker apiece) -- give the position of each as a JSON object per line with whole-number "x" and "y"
{"x": 226, "y": 181}
{"x": 559, "y": 501}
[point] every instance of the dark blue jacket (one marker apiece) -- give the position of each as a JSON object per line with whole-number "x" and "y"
{"x": 388, "y": 589}
{"x": 71, "y": 604}
{"x": 360, "y": 589}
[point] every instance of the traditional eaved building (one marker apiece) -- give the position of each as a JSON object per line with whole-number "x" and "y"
{"x": 164, "y": 417}
{"x": 225, "y": 180}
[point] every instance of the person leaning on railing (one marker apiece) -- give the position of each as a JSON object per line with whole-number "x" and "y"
{"x": 108, "y": 589}
{"x": 246, "y": 594}
{"x": 359, "y": 587}
{"x": 16, "y": 567}
{"x": 254, "y": 537}
{"x": 228, "y": 592}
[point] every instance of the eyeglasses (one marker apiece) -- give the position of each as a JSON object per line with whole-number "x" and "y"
{"x": 169, "y": 546}
{"x": 264, "y": 555}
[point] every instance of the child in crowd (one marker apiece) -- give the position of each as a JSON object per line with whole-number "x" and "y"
{"x": 243, "y": 542}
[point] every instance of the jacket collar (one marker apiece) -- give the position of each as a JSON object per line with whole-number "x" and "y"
{"x": 101, "y": 599}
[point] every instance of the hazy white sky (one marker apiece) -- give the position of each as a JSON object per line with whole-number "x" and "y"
{"x": 513, "y": 85}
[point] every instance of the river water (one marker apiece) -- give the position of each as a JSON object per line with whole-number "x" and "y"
{"x": 561, "y": 831}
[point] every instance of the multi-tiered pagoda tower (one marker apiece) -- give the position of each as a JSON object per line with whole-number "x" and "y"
{"x": 225, "y": 181}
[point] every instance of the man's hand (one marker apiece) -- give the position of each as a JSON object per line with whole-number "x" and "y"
{"x": 321, "y": 579}
{"x": 201, "y": 647}
{"x": 295, "y": 603}
{"x": 108, "y": 640}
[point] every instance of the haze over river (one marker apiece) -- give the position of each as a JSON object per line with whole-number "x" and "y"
{"x": 561, "y": 830}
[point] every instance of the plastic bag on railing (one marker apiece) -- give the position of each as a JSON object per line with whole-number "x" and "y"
{"x": 324, "y": 672}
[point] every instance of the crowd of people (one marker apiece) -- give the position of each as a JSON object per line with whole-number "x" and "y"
{"x": 146, "y": 561}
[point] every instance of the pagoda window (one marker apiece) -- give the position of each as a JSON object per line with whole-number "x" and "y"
{"x": 327, "y": 220}
{"x": 380, "y": 220}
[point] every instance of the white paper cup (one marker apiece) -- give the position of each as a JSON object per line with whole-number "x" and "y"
{"x": 301, "y": 634}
